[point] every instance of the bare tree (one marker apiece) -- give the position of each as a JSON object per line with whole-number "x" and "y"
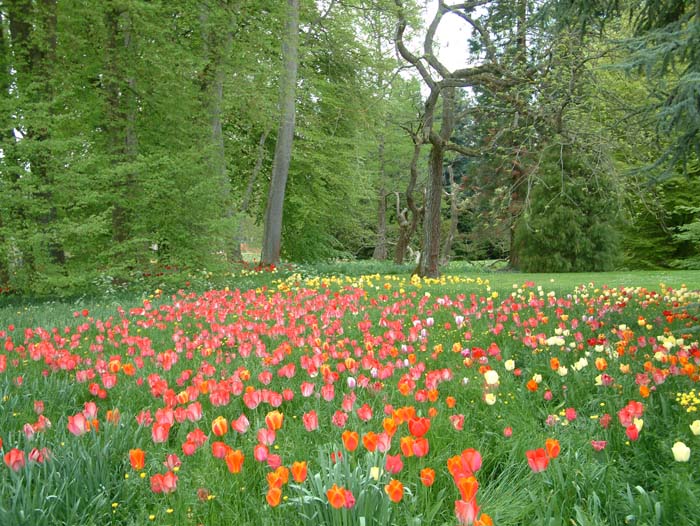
{"x": 486, "y": 72}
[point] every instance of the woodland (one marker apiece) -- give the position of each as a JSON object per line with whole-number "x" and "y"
{"x": 142, "y": 137}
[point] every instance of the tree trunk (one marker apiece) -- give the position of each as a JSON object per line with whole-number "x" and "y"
{"x": 429, "y": 264}
{"x": 272, "y": 235}
{"x": 120, "y": 88}
{"x": 380, "y": 249}
{"x": 408, "y": 227}
{"x": 453, "y": 197}
{"x": 216, "y": 48}
{"x": 245, "y": 204}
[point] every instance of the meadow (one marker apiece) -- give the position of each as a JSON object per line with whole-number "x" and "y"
{"x": 356, "y": 395}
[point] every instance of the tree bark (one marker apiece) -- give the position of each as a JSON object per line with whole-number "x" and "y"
{"x": 216, "y": 48}
{"x": 120, "y": 89}
{"x": 453, "y": 197}
{"x": 272, "y": 235}
{"x": 429, "y": 264}
{"x": 408, "y": 227}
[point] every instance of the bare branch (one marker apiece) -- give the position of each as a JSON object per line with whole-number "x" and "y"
{"x": 404, "y": 51}
{"x": 483, "y": 33}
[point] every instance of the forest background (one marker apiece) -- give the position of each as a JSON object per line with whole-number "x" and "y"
{"x": 144, "y": 140}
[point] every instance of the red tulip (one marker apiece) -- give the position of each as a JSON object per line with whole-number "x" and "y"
{"x": 15, "y": 459}
{"x": 537, "y": 459}
{"x": 393, "y": 463}
{"x": 418, "y": 426}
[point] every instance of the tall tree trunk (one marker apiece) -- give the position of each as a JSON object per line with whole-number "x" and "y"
{"x": 245, "y": 204}
{"x": 429, "y": 264}
{"x": 216, "y": 48}
{"x": 272, "y": 236}
{"x": 380, "y": 249}
{"x": 120, "y": 87}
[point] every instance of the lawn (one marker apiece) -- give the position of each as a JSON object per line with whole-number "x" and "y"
{"x": 356, "y": 394}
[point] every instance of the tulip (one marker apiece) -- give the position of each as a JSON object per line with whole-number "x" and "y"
{"x": 393, "y": 464}
{"x": 234, "y": 460}
{"x": 695, "y": 427}
{"x": 336, "y": 496}
{"x": 466, "y": 511}
{"x": 351, "y": 439}
{"x": 273, "y": 496}
{"x": 219, "y": 449}
{"x": 160, "y": 432}
{"x": 137, "y": 457}
{"x": 537, "y": 459}
{"x": 468, "y": 487}
{"x": 395, "y": 490}
{"x": 15, "y": 459}
{"x": 681, "y": 452}
{"x": 419, "y": 426}
{"x": 274, "y": 420}
{"x": 491, "y": 377}
{"x": 219, "y": 426}
{"x": 299, "y": 471}
{"x": 427, "y": 476}
{"x": 421, "y": 447}
{"x": 552, "y": 447}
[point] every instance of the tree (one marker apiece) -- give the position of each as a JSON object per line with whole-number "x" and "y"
{"x": 272, "y": 237}
{"x": 489, "y": 71}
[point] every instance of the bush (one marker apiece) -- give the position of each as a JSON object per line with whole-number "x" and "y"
{"x": 571, "y": 223}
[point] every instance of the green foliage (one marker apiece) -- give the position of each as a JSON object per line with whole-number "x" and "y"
{"x": 571, "y": 224}
{"x": 661, "y": 233}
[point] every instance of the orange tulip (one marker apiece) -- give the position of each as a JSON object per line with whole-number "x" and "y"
{"x": 274, "y": 420}
{"x": 336, "y": 496}
{"x": 406, "y": 444}
{"x": 427, "y": 476}
{"x": 484, "y": 520}
{"x": 234, "y": 460}
{"x": 351, "y": 439}
{"x": 370, "y": 440}
{"x": 299, "y": 471}
{"x": 273, "y": 497}
{"x": 390, "y": 426}
{"x": 553, "y": 448}
{"x": 137, "y": 457}
{"x": 468, "y": 487}
{"x": 395, "y": 490}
